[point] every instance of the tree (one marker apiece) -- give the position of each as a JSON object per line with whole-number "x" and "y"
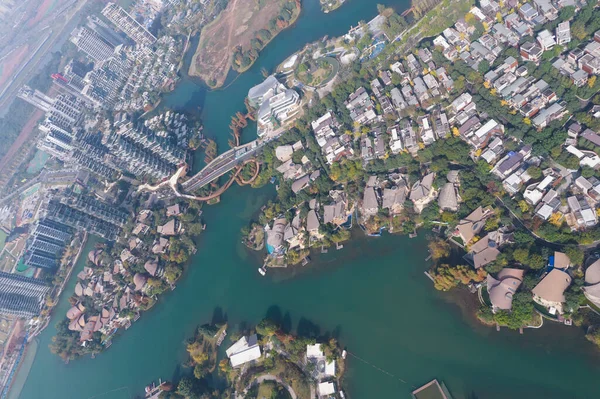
{"x": 439, "y": 249}
{"x": 521, "y": 255}
{"x": 591, "y": 81}
{"x": 483, "y": 67}
{"x": 189, "y": 388}
{"x": 535, "y": 172}
{"x": 593, "y": 335}
{"x": 536, "y": 261}
{"x": 576, "y": 255}
{"x": 267, "y": 328}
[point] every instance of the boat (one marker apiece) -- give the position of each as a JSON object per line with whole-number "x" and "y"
{"x": 344, "y": 353}
{"x": 262, "y": 271}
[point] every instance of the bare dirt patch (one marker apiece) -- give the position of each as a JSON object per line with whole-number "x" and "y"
{"x": 238, "y": 34}
{"x": 41, "y": 12}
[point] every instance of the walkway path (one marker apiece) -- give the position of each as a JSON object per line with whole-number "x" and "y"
{"x": 172, "y": 182}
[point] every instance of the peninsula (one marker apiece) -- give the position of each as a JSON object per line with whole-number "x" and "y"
{"x": 235, "y": 38}
{"x": 261, "y": 362}
{"x": 483, "y": 132}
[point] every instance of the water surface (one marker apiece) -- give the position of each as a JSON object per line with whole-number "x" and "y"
{"x": 372, "y": 295}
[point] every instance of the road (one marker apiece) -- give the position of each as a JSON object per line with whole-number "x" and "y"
{"x": 65, "y": 14}
{"x": 270, "y": 377}
{"x": 222, "y": 165}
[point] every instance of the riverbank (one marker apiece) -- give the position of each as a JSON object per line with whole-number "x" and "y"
{"x": 236, "y": 37}
{"x": 350, "y": 292}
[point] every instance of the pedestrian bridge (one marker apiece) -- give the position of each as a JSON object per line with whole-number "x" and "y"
{"x": 221, "y": 165}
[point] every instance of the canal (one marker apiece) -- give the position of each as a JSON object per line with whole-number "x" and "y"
{"x": 372, "y": 295}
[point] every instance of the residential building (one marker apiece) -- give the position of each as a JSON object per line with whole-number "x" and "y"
{"x": 128, "y": 24}
{"x": 362, "y": 109}
{"x": 591, "y": 288}
{"x": 91, "y": 43}
{"x": 563, "y": 33}
{"x": 448, "y": 198}
{"x": 502, "y": 288}
{"x": 245, "y": 350}
{"x": 530, "y": 51}
{"x": 422, "y": 192}
{"x": 584, "y": 215}
{"x": 470, "y": 226}
{"x": 550, "y": 291}
{"x": 21, "y": 296}
{"x": 546, "y": 40}
{"x": 527, "y": 12}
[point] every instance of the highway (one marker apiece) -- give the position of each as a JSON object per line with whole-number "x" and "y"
{"x": 222, "y": 165}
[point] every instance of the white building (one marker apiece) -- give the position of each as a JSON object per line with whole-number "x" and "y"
{"x": 275, "y": 103}
{"x": 563, "y": 33}
{"x": 245, "y": 350}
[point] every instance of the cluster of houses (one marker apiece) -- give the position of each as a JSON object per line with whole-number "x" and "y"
{"x": 113, "y": 287}
{"x": 334, "y": 144}
{"x": 549, "y": 292}
{"x": 152, "y": 72}
{"x": 580, "y": 63}
{"x": 302, "y": 231}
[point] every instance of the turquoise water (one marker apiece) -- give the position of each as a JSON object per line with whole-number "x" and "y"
{"x": 372, "y": 295}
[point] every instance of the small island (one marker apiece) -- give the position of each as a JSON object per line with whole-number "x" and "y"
{"x": 330, "y": 5}
{"x": 236, "y": 37}
{"x": 265, "y": 361}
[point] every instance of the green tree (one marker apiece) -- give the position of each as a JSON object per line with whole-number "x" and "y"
{"x": 536, "y": 261}
{"x": 576, "y": 255}
{"x": 521, "y": 255}
{"x": 483, "y": 67}
{"x": 267, "y": 328}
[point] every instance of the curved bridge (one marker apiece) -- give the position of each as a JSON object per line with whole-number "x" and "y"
{"x": 222, "y": 165}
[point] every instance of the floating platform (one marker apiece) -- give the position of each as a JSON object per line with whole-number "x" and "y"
{"x": 432, "y": 390}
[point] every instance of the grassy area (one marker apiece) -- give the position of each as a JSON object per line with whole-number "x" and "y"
{"x": 266, "y": 390}
{"x": 3, "y": 236}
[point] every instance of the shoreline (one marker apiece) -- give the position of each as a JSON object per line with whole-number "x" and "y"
{"x": 193, "y": 69}
{"x": 63, "y": 285}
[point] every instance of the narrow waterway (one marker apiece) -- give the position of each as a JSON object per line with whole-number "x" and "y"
{"x": 372, "y": 295}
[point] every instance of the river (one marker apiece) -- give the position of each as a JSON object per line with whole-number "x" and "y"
{"x": 372, "y": 295}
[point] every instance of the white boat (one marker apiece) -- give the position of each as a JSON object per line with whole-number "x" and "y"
{"x": 262, "y": 271}
{"x": 344, "y": 354}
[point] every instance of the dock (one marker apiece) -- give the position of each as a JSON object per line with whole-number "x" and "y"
{"x": 221, "y": 337}
{"x": 339, "y": 246}
{"x": 323, "y": 249}
{"x": 153, "y": 391}
{"x": 305, "y": 261}
{"x": 429, "y": 276}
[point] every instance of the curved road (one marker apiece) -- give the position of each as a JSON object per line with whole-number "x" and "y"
{"x": 270, "y": 377}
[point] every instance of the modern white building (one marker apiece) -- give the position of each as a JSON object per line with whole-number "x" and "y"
{"x": 563, "y": 33}
{"x": 325, "y": 389}
{"x": 276, "y": 104}
{"x": 245, "y": 350}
